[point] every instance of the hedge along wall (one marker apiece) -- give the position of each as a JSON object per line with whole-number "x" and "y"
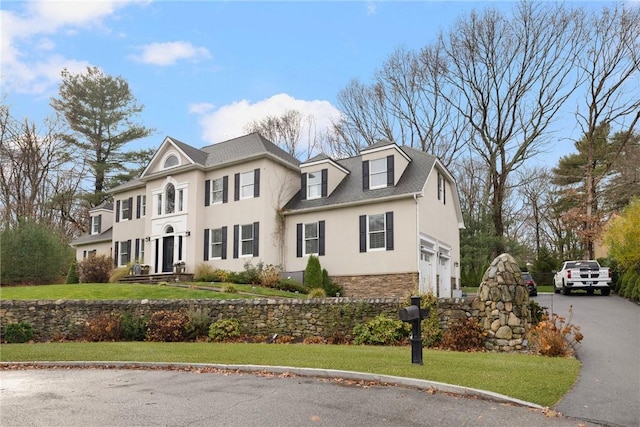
{"x": 65, "y": 319}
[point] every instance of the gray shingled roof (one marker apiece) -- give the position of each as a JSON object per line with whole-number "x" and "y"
{"x": 378, "y": 144}
{"x": 245, "y": 147}
{"x": 350, "y": 189}
{"x": 135, "y": 182}
{"x": 317, "y": 158}
{"x": 104, "y": 205}
{"x": 93, "y": 238}
{"x": 198, "y": 156}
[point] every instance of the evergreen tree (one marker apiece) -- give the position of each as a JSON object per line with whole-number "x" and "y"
{"x": 313, "y": 273}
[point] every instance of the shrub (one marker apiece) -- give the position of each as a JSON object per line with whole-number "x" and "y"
{"x": 381, "y": 330}
{"x": 33, "y": 253}
{"x": 537, "y": 312}
{"x": 203, "y": 273}
{"x": 199, "y": 321}
{"x": 229, "y": 289}
{"x": 463, "y": 335}
{"x": 167, "y": 326}
{"x": 316, "y": 293}
{"x": 291, "y": 285}
{"x": 103, "y": 327}
{"x": 555, "y": 335}
{"x": 269, "y": 276}
{"x": 220, "y": 275}
{"x": 133, "y": 328}
{"x": 72, "y": 274}
{"x": 95, "y": 269}
{"x": 20, "y": 332}
{"x": 224, "y": 329}
{"x": 313, "y": 273}
{"x": 118, "y": 273}
{"x": 330, "y": 288}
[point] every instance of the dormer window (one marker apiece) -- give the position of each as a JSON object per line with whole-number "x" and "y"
{"x": 96, "y": 222}
{"x": 314, "y": 184}
{"x": 378, "y": 173}
{"x": 171, "y": 161}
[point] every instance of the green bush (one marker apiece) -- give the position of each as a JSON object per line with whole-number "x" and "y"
{"x": 249, "y": 276}
{"x": 199, "y": 321}
{"x": 330, "y": 288}
{"x": 224, "y": 329}
{"x": 229, "y": 289}
{"x": 95, "y": 269}
{"x": 103, "y": 327}
{"x": 20, "y": 332}
{"x": 72, "y": 275}
{"x": 381, "y": 330}
{"x": 33, "y": 253}
{"x": 316, "y": 293}
{"x": 291, "y": 285}
{"x": 134, "y": 328}
{"x": 537, "y": 312}
{"x": 167, "y": 326}
{"x": 313, "y": 273}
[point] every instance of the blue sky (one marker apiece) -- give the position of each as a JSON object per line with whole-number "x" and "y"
{"x": 205, "y": 69}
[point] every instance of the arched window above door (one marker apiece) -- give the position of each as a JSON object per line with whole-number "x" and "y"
{"x": 168, "y": 230}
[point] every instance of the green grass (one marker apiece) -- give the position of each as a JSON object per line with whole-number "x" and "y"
{"x": 531, "y": 378}
{"x": 125, "y": 291}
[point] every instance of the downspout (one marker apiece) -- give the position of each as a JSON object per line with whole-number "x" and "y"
{"x": 418, "y": 252}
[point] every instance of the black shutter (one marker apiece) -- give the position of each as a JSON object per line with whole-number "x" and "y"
{"x": 444, "y": 191}
{"x": 118, "y": 211}
{"x": 180, "y": 247}
{"x": 137, "y": 253}
{"x": 99, "y": 218}
{"x": 303, "y": 186}
{"x": 225, "y": 189}
{"x": 129, "y": 249}
{"x": 320, "y": 238}
{"x": 299, "y": 240}
{"x": 236, "y": 236}
{"x": 206, "y": 245}
{"x": 325, "y": 180}
{"x": 390, "y": 174}
{"x": 224, "y": 242}
{"x": 116, "y": 247}
{"x": 389, "y": 230}
{"x": 138, "y": 203}
{"x": 207, "y": 192}
{"x": 256, "y": 183}
{"x": 363, "y": 233}
{"x": 236, "y": 190}
{"x": 365, "y": 175}
{"x": 130, "y": 215}
{"x": 155, "y": 268}
{"x": 256, "y": 238}
{"x": 84, "y": 254}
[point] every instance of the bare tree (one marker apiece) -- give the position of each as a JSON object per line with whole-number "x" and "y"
{"x": 405, "y": 104}
{"x": 36, "y": 169}
{"x": 611, "y": 68}
{"x": 512, "y": 74}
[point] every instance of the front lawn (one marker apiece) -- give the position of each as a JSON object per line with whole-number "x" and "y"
{"x": 541, "y": 380}
{"x": 127, "y": 291}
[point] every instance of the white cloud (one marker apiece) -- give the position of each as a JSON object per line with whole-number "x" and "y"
{"x": 21, "y": 35}
{"x": 229, "y": 121}
{"x": 170, "y": 52}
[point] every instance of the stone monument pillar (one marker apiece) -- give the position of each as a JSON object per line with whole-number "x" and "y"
{"x": 503, "y": 305}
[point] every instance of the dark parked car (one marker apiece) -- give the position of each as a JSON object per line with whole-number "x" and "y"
{"x": 530, "y": 284}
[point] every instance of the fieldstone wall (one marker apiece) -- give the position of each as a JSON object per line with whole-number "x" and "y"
{"x": 370, "y": 286}
{"x": 503, "y": 305}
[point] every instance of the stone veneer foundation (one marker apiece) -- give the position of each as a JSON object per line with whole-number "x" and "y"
{"x": 372, "y": 286}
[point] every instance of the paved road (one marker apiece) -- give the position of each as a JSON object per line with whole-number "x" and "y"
{"x": 608, "y": 388}
{"x": 93, "y": 397}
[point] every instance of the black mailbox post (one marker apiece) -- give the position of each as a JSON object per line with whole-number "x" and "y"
{"x": 415, "y": 314}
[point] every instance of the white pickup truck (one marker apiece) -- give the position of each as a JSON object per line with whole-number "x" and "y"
{"x": 582, "y": 275}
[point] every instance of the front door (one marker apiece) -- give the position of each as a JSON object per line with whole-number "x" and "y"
{"x": 167, "y": 254}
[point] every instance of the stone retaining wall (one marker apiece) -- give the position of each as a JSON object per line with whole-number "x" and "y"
{"x": 65, "y": 319}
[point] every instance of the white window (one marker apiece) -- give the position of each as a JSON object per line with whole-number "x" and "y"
{"x": 180, "y": 200}
{"x": 171, "y": 161}
{"x": 159, "y": 205}
{"x": 217, "y": 188}
{"x": 246, "y": 185}
{"x": 246, "y": 239}
{"x": 376, "y": 231}
{"x": 378, "y": 173}
{"x": 170, "y": 199}
{"x": 314, "y": 185}
{"x": 124, "y": 210}
{"x": 442, "y": 189}
{"x": 124, "y": 253}
{"x": 215, "y": 240}
{"x": 95, "y": 224}
{"x": 143, "y": 205}
{"x": 311, "y": 239}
